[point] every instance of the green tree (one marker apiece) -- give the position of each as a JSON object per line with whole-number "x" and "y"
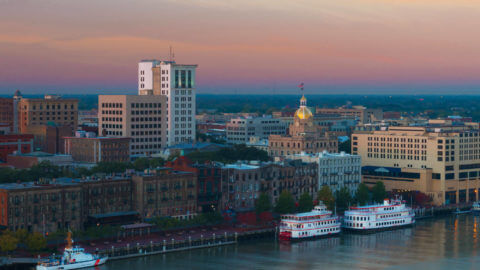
{"x": 263, "y": 203}
{"x": 305, "y": 203}
{"x": 345, "y": 146}
{"x": 8, "y": 241}
{"x": 21, "y": 236}
{"x": 326, "y": 196}
{"x": 141, "y": 164}
{"x": 285, "y": 204}
{"x": 36, "y": 242}
{"x": 362, "y": 194}
{"x": 378, "y": 192}
{"x": 157, "y": 162}
{"x": 343, "y": 198}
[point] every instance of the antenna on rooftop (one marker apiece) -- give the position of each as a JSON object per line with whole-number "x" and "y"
{"x": 171, "y": 54}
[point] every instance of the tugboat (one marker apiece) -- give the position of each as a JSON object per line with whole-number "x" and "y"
{"x": 74, "y": 257}
{"x": 316, "y": 223}
{"x": 389, "y": 215}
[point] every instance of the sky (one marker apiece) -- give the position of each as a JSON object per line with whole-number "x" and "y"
{"x": 244, "y": 46}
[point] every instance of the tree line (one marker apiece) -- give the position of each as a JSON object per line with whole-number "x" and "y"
{"x": 341, "y": 199}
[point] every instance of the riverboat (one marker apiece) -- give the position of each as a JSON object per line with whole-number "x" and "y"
{"x": 316, "y": 223}
{"x": 476, "y": 207}
{"x": 74, "y": 257}
{"x": 389, "y": 215}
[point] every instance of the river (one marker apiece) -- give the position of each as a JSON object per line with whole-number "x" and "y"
{"x": 441, "y": 243}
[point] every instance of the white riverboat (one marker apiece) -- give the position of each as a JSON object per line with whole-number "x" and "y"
{"x": 316, "y": 223}
{"x": 389, "y": 215}
{"x": 476, "y": 207}
{"x": 74, "y": 257}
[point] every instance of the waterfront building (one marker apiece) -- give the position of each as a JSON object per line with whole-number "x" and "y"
{"x": 362, "y": 114}
{"x": 87, "y": 147}
{"x": 175, "y": 82}
{"x": 51, "y": 110}
{"x": 142, "y": 118}
{"x": 303, "y": 136}
{"x": 209, "y": 181}
{"x": 240, "y": 186}
{"x": 48, "y": 205}
{"x": 294, "y": 176}
{"x": 335, "y": 170}
{"x": 440, "y": 160}
{"x": 239, "y": 130}
{"x": 11, "y": 143}
{"x": 164, "y": 192}
{"x": 41, "y": 206}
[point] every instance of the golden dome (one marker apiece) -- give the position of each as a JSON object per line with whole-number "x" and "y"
{"x": 303, "y": 113}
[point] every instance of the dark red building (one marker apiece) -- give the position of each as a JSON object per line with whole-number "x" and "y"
{"x": 22, "y": 143}
{"x": 209, "y": 181}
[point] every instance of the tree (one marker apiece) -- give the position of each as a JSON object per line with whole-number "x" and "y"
{"x": 141, "y": 164}
{"x": 343, "y": 198}
{"x": 362, "y": 194}
{"x": 305, "y": 203}
{"x": 157, "y": 162}
{"x": 8, "y": 241}
{"x": 285, "y": 204}
{"x": 263, "y": 204}
{"x": 36, "y": 242}
{"x": 345, "y": 146}
{"x": 326, "y": 196}
{"x": 378, "y": 192}
{"x": 21, "y": 236}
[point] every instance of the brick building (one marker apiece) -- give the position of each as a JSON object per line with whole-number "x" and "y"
{"x": 98, "y": 149}
{"x": 52, "y": 109}
{"x": 22, "y": 143}
{"x": 209, "y": 181}
{"x": 6, "y": 112}
{"x": 165, "y": 192}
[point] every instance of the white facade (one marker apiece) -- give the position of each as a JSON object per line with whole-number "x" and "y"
{"x": 239, "y": 130}
{"x": 177, "y": 83}
{"x": 336, "y": 170}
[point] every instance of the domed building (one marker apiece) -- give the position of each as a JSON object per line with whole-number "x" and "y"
{"x": 303, "y": 136}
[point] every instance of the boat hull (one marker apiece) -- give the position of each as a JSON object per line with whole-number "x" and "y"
{"x": 79, "y": 265}
{"x": 373, "y": 230}
{"x": 289, "y": 238}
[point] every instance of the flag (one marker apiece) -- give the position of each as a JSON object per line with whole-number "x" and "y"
{"x": 300, "y": 85}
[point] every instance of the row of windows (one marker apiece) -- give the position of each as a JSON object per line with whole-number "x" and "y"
{"x": 52, "y": 107}
{"x": 112, "y": 105}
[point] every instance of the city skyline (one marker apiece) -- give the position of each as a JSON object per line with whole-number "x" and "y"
{"x": 352, "y": 47}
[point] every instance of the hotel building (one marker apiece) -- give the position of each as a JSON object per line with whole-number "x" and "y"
{"x": 440, "y": 160}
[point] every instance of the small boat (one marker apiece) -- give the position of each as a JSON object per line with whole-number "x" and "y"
{"x": 316, "y": 223}
{"x": 74, "y": 257}
{"x": 389, "y": 215}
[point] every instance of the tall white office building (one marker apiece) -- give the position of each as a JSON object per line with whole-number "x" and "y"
{"x": 177, "y": 83}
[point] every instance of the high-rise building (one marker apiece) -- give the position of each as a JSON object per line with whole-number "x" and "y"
{"x": 177, "y": 83}
{"x": 142, "y": 118}
{"x": 441, "y": 161}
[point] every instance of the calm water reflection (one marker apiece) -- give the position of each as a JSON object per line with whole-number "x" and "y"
{"x": 446, "y": 243}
